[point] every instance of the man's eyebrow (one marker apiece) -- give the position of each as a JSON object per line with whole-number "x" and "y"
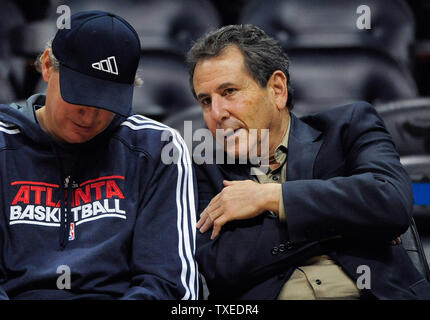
{"x": 220, "y": 87}
{"x": 202, "y": 95}
{"x": 225, "y": 85}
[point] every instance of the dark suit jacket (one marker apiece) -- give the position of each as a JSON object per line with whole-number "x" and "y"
{"x": 344, "y": 178}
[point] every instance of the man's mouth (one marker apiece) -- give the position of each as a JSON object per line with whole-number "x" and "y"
{"x": 82, "y": 127}
{"x": 228, "y": 133}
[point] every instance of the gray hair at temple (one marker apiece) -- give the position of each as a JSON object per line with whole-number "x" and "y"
{"x": 138, "y": 81}
{"x": 263, "y": 55}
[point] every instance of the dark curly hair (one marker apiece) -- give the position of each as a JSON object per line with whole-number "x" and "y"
{"x": 263, "y": 55}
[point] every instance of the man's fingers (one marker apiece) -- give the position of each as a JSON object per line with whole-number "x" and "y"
{"x": 227, "y": 183}
{"x": 206, "y": 225}
{"x": 201, "y": 221}
{"x": 220, "y": 206}
{"x": 208, "y": 219}
{"x": 231, "y": 182}
{"x": 204, "y": 216}
{"x": 211, "y": 206}
{"x": 218, "y": 224}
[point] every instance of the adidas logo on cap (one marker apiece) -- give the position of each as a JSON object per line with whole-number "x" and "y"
{"x": 107, "y": 65}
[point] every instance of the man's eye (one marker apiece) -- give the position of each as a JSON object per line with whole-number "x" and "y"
{"x": 205, "y": 101}
{"x": 229, "y": 90}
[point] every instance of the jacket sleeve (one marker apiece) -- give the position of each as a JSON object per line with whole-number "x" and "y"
{"x": 162, "y": 259}
{"x": 372, "y": 199}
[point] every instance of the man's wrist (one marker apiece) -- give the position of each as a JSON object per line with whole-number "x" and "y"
{"x": 270, "y": 197}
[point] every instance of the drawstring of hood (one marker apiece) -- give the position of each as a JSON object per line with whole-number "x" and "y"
{"x": 65, "y": 199}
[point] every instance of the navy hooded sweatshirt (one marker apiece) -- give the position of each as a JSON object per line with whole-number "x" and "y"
{"x": 111, "y": 215}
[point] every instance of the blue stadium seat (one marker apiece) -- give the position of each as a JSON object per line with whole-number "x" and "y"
{"x": 192, "y": 113}
{"x": 7, "y": 94}
{"x": 330, "y": 77}
{"x": 333, "y": 24}
{"x": 161, "y": 24}
{"x": 418, "y": 168}
{"x": 10, "y": 18}
{"x": 408, "y": 121}
{"x": 165, "y": 90}
{"x": 30, "y": 39}
{"x": 11, "y": 68}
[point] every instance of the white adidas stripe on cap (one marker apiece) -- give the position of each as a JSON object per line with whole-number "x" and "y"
{"x": 107, "y": 65}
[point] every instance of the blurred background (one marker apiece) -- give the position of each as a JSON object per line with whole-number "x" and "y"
{"x": 333, "y": 61}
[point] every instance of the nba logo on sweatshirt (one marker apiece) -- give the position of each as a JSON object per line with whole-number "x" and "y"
{"x": 72, "y": 232}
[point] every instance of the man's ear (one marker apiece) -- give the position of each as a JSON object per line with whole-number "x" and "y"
{"x": 47, "y": 68}
{"x": 278, "y": 84}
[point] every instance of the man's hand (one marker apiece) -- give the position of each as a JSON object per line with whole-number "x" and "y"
{"x": 237, "y": 201}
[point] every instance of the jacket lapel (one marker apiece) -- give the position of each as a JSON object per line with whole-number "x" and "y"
{"x": 303, "y": 148}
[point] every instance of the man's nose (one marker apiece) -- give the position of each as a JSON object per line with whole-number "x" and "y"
{"x": 219, "y": 109}
{"x": 88, "y": 115}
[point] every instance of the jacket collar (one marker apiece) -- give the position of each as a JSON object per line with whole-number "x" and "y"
{"x": 303, "y": 147}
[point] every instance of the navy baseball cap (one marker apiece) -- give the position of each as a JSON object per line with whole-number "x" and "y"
{"x": 98, "y": 56}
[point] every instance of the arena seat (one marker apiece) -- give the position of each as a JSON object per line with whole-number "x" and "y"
{"x": 161, "y": 24}
{"x": 31, "y": 38}
{"x": 7, "y": 94}
{"x": 418, "y": 168}
{"x": 10, "y": 17}
{"x": 413, "y": 245}
{"x": 408, "y": 121}
{"x": 196, "y": 139}
{"x": 331, "y": 77}
{"x": 333, "y": 24}
{"x": 12, "y": 68}
{"x": 192, "y": 113}
{"x": 165, "y": 90}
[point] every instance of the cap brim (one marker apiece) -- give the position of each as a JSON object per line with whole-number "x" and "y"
{"x": 81, "y": 89}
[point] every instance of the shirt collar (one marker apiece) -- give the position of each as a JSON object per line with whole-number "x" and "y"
{"x": 282, "y": 149}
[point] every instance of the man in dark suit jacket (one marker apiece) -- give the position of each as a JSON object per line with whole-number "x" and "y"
{"x": 320, "y": 223}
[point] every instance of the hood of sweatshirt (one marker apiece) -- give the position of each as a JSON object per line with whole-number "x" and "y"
{"x": 24, "y": 117}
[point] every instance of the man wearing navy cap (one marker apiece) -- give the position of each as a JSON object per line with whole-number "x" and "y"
{"x": 89, "y": 209}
